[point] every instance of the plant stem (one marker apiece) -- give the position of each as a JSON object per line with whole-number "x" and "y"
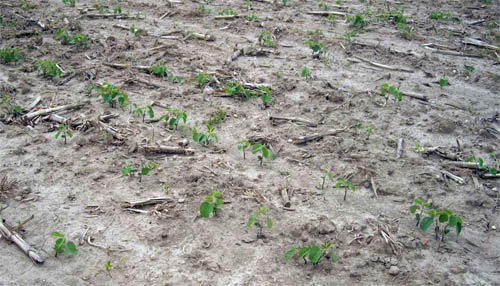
{"x": 323, "y": 183}
{"x": 345, "y": 193}
{"x": 244, "y": 153}
{"x": 64, "y": 135}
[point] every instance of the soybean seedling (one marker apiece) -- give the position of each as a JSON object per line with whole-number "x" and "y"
{"x": 387, "y": 89}
{"x": 62, "y": 245}
{"x": 264, "y": 152}
{"x": 203, "y": 79}
{"x": 10, "y": 107}
{"x": 70, "y": 2}
{"x": 357, "y": 21}
{"x": 159, "y": 69}
{"x": 326, "y": 175}
{"x": 313, "y": 252}
{"x": 48, "y": 67}
{"x": 64, "y": 131}
{"x": 265, "y": 39}
{"x": 480, "y": 165}
{"x": 306, "y": 73}
{"x": 265, "y": 94}
{"x": 243, "y": 145}
{"x": 443, "y": 81}
{"x": 146, "y": 168}
{"x": 210, "y": 204}
{"x": 173, "y": 117}
{"x": 257, "y": 219}
{"x": 418, "y": 206}
{"x": 10, "y": 55}
{"x": 316, "y": 46}
{"x": 110, "y": 94}
{"x": 346, "y": 184}
{"x": 126, "y": 169}
{"x": 204, "y": 138}
{"x": 443, "y": 219}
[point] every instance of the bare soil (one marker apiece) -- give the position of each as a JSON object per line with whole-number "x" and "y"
{"x": 78, "y": 189}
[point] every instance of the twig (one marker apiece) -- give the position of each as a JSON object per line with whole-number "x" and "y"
{"x": 460, "y": 164}
{"x": 110, "y": 130}
{"x": 32, "y": 115}
{"x": 167, "y": 150}
{"x": 480, "y": 43}
{"x": 327, "y": 13}
{"x": 453, "y": 177}
{"x": 294, "y": 119}
{"x": 285, "y": 198}
{"x": 399, "y": 151}
{"x": 393, "y": 68}
{"x": 374, "y": 187}
{"x": 310, "y": 137}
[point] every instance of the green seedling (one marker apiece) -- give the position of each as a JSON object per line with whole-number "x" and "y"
{"x": 233, "y": 88}
{"x": 443, "y": 81}
{"x": 349, "y": 35}
{"x": 243, "y": 145}
{"x": 443, "y": 220}
{"x": 126, "y": 168}
{"x": 62, "y": 245}
{"x": 357, "y": 21}
{"x": 469, "y": 68}
{"x": 387, "y": 89}
{"x": 142, "y": 111}
{"x": 62, "y": 35}
{"x": 117, "y": 10}
{"x": 101, "y": 8}
{"x": 175, "y": 79}
{"x": 159, "y": 69}
{"x": 107, "y": 265}
{"x": 146, "y": 168}
{"x": 322, "y": 5}
{"x": 10, "y": 108}
{"x": 64, "y": 131}
{"x": 480, "y": 165}
{"x": 439, "y": 15}
{"x": 132, "y": 29}
{"x": 305, "y": 72}
{"x": 203, "y": 79}
{"x": 66, "y": 39}
{"x": 326, "y": 174}
{"x": 258, "y": 218}
{"x": 48, "y": 67}
{"x": 251, "y": 17}
{"x": 204, "y": 138}
{"x": 228, "y": 12}
{"x": 218, "y": 115}
{"x": 265, "y": 39}
{"x": 10, "y": 55}
{"x": 110, "y": 94}
{"x": 80, "y": 40}
{"x": 346, "y": 184}
{"x": 70, "y": 2}
{"x": 264, "y": 152}
{"x": 316, "y": 46}
{"x": 313, "y": 252}
{"x": 173, "y": 117}
{"x": 264, "y": 93}
{"x": 210, "y": 204}
{"x": 420, "y": 207}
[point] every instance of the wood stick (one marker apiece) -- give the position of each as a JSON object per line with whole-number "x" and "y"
{"x": 32, "y": 115}
{"x": 59, "y": 119}
{"x": 23, "y": 245}
{"x": 310, "y": 137}
{"x": 34, "y": 103}
{"x": 480, "y": 43}
{"x": 399, "y": 151}
{"x": 490, "y": 176}
{"x": 228, "y": 17}
{"x": 145, "y": 202}
{"x": 374, "y": 187}
{"x": 440, "y": 152}
{"x": 415, "y": 95}
{"x": 392, "y": 68}
{"x": 453, "y": 177}
{"x": 285, "y": 198}
{"x": 167, "y": 150}
{"x": 294, "y": 119}
{"x": 110, "y": 130}
{"x": 20, "y": 226}
{"x": 117, "y": 16}
{"x": 327, "y": 13}
{"x": 461, "y": 164}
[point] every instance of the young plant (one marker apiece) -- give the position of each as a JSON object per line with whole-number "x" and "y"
{"x": 173, "y": 117}
{"x": 322, "y": 5}
{"x": 126, "y": 168}
{"x": 346, "y": 184}
{"x": 210, "y": 204}
{"x": 70, "y": 2}
{"x": 203, "y": 79}
{"x": 204, "y": 138}
{"x": 418, "y": 206}
{"x": 326, "y": 174}
{"x": 62, "y": 35}
{"x": 9, "y": 107}
{"x": 117, "y": 10}
{"x": 264, "y": 93}
{"x": 175, "y": 79}
{"x": 62, "y": 245}
{"x": 146, "y": 168}
{"x": 159, "y": 69}
{"x": 306, "y": 73}
{"x": 64, "y": 131}
{"x": 386, "y": 88}
{"x": 228, "y": 12}
{"x": 443, "y": 220}
{"x": 110, "y": 94}
{"x": 443, "y": 81}
{"x": 357, "y": 21}
{"x": 265, "y": 39}
{"x": 258, "y": 218}
{"x": 10, "y": 55}
{"x": 264, "y": 152}
{"x": 243, "y": 145}
{"x": 316, "y": 46}
{"x": 107, "y": 265}
{"x": 233, "y": 88}
{"x": 313, "y": 252}
{"x": 218, "y": 115}
{"x": 48, "y": 67}
{"x": 480, "y": 165}
{"x": 80, "y": 40}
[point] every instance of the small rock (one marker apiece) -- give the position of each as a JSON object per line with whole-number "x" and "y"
{"x": 394, "y": 270}
{"x": 181, "y": 200}
{"x": 356, "y": 275}
{"x": 394, "y": 261}
{"x": 493, "y": 227}
{"x": 153, "y": 257}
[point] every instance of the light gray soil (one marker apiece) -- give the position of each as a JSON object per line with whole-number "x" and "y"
{"x": 77, "y": 188}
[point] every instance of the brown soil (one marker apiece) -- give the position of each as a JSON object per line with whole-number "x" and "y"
{"x": 77, "y": 188}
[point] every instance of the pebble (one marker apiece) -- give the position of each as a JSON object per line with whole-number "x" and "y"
{"x": 181, "y": 200}
{"x": 394, "y": 270}
{"x": 493, "y": 227}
